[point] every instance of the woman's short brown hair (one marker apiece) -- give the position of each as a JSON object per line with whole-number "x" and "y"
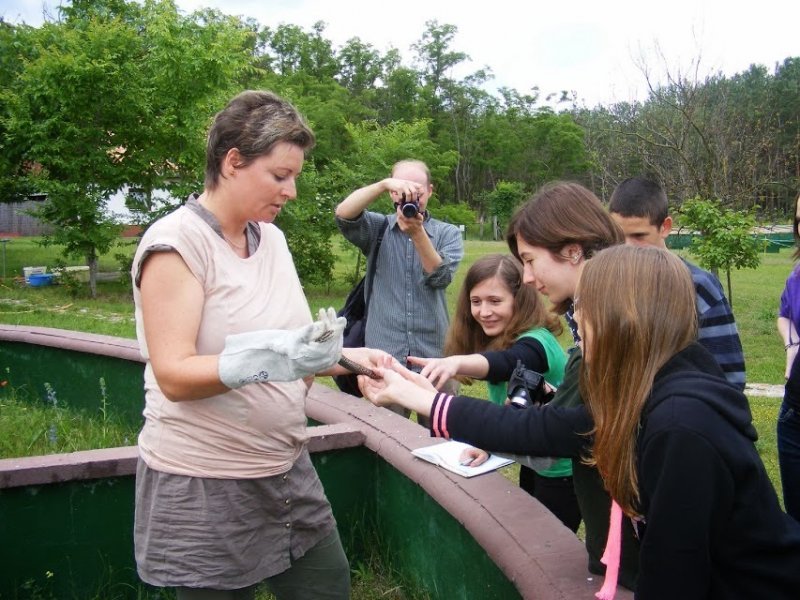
{"x": 253, "y": 122}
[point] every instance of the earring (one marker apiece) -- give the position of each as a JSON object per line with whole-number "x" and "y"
{"x": 576, "y": 257}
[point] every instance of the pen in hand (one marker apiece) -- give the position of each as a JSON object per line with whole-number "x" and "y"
{"x": 467, "y": 462}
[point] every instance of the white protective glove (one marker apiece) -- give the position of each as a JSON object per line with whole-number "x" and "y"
{"x": 282, "y": 355}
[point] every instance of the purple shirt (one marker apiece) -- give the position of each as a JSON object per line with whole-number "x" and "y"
{"x": 790, "y": 299}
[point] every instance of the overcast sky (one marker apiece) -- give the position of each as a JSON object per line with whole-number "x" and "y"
{"x": 587, "y": 46}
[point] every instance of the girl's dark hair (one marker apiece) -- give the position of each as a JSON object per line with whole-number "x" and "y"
{"x": 563, "y": 213}
{"x": 253, "y": 122}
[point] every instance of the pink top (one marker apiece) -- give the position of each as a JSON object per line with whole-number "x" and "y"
{"x": 259, "y": 429}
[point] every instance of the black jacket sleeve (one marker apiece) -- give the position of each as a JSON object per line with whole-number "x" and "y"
{"x": 502, "y": 362}
{"x": 534, "y": 431}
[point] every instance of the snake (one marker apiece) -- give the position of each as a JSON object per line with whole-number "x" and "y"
{"x": 348, "y": 364}
{"x": 357, "y": 368}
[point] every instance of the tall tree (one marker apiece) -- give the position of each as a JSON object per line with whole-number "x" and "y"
{"x": 702, "y": 135}
{"x": 294, "y": 50}
{"x": 436, "y": 59}
{"x": 399, "y": 99}
{"x": 89, "y": 135}
{"x": 360, "y": 67}
{"x": 15, "y": 49}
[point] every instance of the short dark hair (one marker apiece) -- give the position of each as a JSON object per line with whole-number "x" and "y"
{"x": 640, "y": 197}
{"x": 253, "y": 122}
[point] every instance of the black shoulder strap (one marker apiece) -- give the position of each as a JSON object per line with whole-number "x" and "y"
{"x": 374, "y": 264}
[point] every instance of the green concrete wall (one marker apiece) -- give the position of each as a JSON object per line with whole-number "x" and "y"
{"x": 74, "y": 540}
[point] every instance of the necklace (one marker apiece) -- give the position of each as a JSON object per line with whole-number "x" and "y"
{"x": 234, "y": 245}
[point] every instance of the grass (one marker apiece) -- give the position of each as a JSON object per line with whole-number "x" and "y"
{"x": 28, "y": 252}
{"x": 32, "y": 427}
{"x": 65, "y": 306}
{"x": 756, "y": 297}
{"x": 370, "y": 580}
{"x": 756, "y": 293}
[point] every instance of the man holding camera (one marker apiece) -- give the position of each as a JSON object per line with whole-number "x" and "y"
{"x": 407, "y": 312}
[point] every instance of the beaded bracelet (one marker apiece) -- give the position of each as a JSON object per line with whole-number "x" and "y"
{"x": 789, "y": 345}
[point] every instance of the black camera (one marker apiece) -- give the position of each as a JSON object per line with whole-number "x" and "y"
{"x": 527, "y": 388}
{"x": 409, "y": 207}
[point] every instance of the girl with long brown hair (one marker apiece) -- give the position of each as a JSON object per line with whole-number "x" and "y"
{"x": 498, "y": 323}
{"x": 629, "y": 331}
{"x": 674, "y": 440}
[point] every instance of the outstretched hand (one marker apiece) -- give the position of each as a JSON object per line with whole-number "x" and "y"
{"x": 436, "y": 370}
{"x": 398, "y": 385}
{"x": 364, "y": 361}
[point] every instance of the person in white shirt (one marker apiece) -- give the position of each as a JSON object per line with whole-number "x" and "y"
{"x": 226, "y": 495}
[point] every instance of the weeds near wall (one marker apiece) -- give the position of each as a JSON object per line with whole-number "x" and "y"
{"x": 32, "y": 426}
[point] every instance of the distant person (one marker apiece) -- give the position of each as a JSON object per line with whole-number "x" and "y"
{"x": 417, "y": 260}
{"x": 498, "y": 322}
{"x": 226, "y": 493}
{"x": 789, "y": 415}
{"x": 639, "y": 205}
{"x": 674, "y": 441}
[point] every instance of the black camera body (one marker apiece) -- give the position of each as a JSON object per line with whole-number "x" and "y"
{"x": 526, "y": 387}
{"x": 409, "y": 207}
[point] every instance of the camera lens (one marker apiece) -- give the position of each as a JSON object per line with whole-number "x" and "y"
{"x": 410, "y": 207}
{"x": 520, "y": 399}
{"x": 409, "y": 210}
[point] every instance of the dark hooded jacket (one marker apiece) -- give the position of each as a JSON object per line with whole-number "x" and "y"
{"x": 713, "y": 527}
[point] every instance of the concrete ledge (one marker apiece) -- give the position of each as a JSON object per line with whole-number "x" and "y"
{"x": 56, "y": 468}
{"x": 117, "y": 462}
{"x": 91, "y": 343}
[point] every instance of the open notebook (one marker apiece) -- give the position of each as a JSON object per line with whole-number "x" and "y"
{"x": 447, "y": 454}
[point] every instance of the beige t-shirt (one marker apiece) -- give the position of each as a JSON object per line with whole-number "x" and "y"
{"x": 259, "y": 429}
